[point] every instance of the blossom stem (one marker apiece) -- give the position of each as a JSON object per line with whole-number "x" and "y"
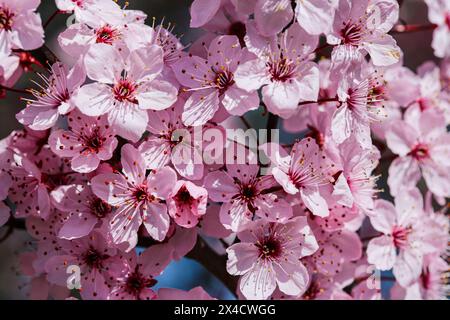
{"x": 335, "y": 99}
{"x": 51, "y": 18}
{"x": 410, "y": 28}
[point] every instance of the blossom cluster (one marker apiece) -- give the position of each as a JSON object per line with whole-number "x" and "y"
{"x": 108, "y": 176}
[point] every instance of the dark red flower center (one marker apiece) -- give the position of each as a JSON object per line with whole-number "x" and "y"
{"x": 420, "y": 152}
{"x": 136, "y": 282}
{"x": 184, "y": 196}
{"x": 125, "y": 90}
{"x": 6, "y": 19}
{"x": 106, "y": 34}
{"x": 400, "y": 235}
{"x": 269, "y": 248}
{"x": 223, "y": 80}
{"x": 94, "y": 259}
{"x": 281, "y": 70}
{"x": 312, "y": 292}
{"x": 351, "y": 34}
{"x": 141, "y": 194}
{"x": 447, "y": 19}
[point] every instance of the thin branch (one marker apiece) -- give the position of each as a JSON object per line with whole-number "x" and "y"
{"x": 51, "y": 18}
{"x": 335, "y": 99}
{"x": 410, "y": 28}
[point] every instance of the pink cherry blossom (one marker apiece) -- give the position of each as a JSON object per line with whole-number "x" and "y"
{"x": 361, "y": 27}
{"x": 304, "y": 171}
{"x": 97, "y": 261}
{"x": 86, "y": 211}
{"x": 21, "y": 25}
{"x": 439, "y": 14}
{"x": 54, "y": 98}
{"x": 212, "y": 82}
{"x": 403, "y": 242}
{"x": 91, "y": 10}
{"x": 138, "y": 276}
{"x": 137, "y": 198}
{"x": 359, "y": 106}
{"x": 187, "y": 203}
{"x": 421, "y": 142}
{"x": 244, "y": 194}
{"x": 88, "y": 141}
{"x": 283, "y": 68}
{"x": 268, "y": 256}
{"x": 356, "y": 186}
{"x": 125, "y": 88}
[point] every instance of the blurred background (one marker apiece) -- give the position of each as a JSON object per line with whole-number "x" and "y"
{"x": 184, "y": 274}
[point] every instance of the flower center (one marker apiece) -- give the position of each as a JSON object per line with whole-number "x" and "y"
{"x": 141, "y": 194}
{"x": 351, "y": 34}
{"x": 136, "y": 282}
{"x": 223, "y": 80}
{"x": 269, "y": 248}
{"x": 400, "y": 235}
{"x": 6, "y": 19}
{"x": 281, "y": 69}
{"x": 420, "y": 152}
{"x": 184, "y": 196}
{"x": 447, "y": 19}
{"x": 248, "y": 192}
{"x": 94, "y": 259}
{"x": 99, "y": 208}
{"x": 125, "y": 90}
{"x": 107, "y": 34}
{"x": 93, "y": 142}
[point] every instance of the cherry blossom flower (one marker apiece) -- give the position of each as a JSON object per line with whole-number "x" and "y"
{"x": 21, "y": 25}
{"x": 361, "y": 27}
{"x": 86, "y": 211}
{"x": 88, "y": 141}
{"x": 359, "y": 106}
{"x": 244, "y": 194}
{"x": 125, "y": 88}
{"x": 304, "y": 171}
{"x": 55, "y": 97}
{"x": 136, "y": 279}
{"x": 431, "y": 285}
{"x": 123, "y": 29}
{"x": 283, "y": 68}
{"x": 422, "y": 143}
{"x": 91, "y": 10}
{"x": 96, "y": 260}
{"x": 403, "y": 241}
{"x": 137, "y": 198}
{"x": 187, "y": 203}
{"x": 212, "y": 82}
{"x": 268, "y": 256}
{"x": 355, "y": 185}
{"x": 439, "y": 14}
